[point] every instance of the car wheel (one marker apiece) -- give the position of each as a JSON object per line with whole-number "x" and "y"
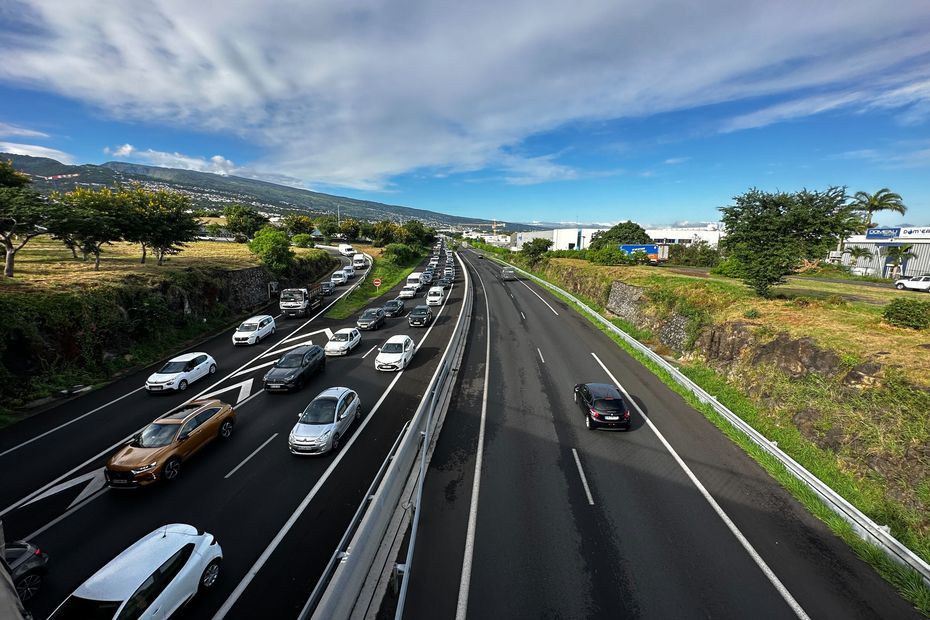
{"x": 210, "y": 574}
{"x": 900, "y": 287}
{"x": 358, "y": 414}
{"x": 182, "y": 385}
{"x": 273, "y": 329}
{"x": 171, "y": 470}
{"x": 588, "y": 422}
{"x": 28, "y": 585}
{"x": 335, "y": 445}
{"x": 212, "y": 369}
{"x": 226, "y": 429}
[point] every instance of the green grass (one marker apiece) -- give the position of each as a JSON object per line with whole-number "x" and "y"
{"x": 390, "y": 275}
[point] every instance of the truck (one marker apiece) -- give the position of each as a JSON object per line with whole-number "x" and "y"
{"x": 656, "y": 253}
{"x": 299, "y": 301}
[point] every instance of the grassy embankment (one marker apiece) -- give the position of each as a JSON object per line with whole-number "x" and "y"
{"x": 869, "y": 445}
{"x": 389, "y": 273}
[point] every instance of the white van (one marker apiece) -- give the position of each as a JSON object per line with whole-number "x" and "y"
{"x": 435, "y": 296}
{"x": 415, "y": 280}
{"x": 346, "y": 250}
{"x": 358, "y": 261}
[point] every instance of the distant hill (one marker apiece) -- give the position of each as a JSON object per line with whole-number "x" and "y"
{"x": 213, "y": 191}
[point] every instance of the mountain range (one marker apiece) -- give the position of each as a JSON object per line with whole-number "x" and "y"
{"x": 213, "y": 191}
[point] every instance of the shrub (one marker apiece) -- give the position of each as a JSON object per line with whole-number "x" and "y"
{"x": 400, "y": 253}
{"x": 729, "y": 268}
{"x": 752, "y": 313}
{"x": 908, "y": 313}
{"x": 303, "y": 240}
{"x": 273, "y": 249}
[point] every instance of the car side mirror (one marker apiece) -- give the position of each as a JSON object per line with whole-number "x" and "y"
{"x": 299, "y": 413}
{"x": 183, "y": 436}
{"x": 379, "y": 349}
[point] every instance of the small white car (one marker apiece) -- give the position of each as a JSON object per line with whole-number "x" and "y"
{"x": 338, "y": 277}
{"x": 343, "y": 341}
{"x": 396, "y": 353}
{"x": 324, "y": 421}
{"x": 254, "y": 330}
{"x": 349, "y": 270}
{"x": 435, "y": 296}
{"x": 181, "y": 371}
{"x": 408, "y": 292}
{"x": 154, "y": 578}
{"x": 915, "y": 283}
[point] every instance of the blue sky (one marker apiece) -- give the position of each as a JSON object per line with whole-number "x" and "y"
{"x": 519, "y": 110}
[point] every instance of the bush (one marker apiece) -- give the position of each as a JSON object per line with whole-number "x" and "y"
{"x": 752, "y": 313}
{"x": 611, "y": 256}
{"x": 303, "y": 240}
{"x": 908, "y": 313}
{"x": 400, "y": 253}
{"x": 729, "y": 268}
{"x": 273, "y": 249}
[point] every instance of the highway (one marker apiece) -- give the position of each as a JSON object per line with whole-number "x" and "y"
{"x": 527, "y": 514}
{"x": 278, "y": 517}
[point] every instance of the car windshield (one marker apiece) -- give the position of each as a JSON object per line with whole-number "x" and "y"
{"x": 370, "y": 314}
{"x": 343, "y": 337}
{"x": 608, "y": 404}
{"x": 172, "y": 367}
{"x": 85, "y": 609}
{"x": 418, "y": 312}
{"x": 248, "y": 327}
{"x": 156, "y": 435}
{"x": 292, "y": 295}
{"x": 392, "y": 304}
{"x": 320, "y": 411}
{"x": 290, "y": 361}
{"x": 392, "y": 347}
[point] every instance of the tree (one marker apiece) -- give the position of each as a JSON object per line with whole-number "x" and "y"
{"x": 366, "y": 230}
{"x": 91, "y": 219}
{"x": 243, "y": 222}
{"x": 898, "y": 254}
{"x": 273, "y": 249}
{"x": 23, "y": 215}
{"x": 296, "y": 224}
{"x": 855, "y": 253}
{"x": 383, "y": 233}
{"x": 697, "y": 254}
{"x": 415, "y": 232}
{"x": 534, "y": 249}
{"x": 882, "y": 200}
{"x": 11, "y": 177}
{"x": 302, "y": 240}
{"x": 625, "y": 232}
{"x": 349, "y": 229}
{"x": 160, "y": 220}
{"x": 328, "y": 226}
{"x": 213, "y": 229}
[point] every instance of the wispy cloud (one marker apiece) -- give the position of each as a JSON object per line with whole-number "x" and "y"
{"x": 34, "y": 150}
{"x": 8, "y": 131}
{"x": 900, "y": 154}
{"x": 216, "y": 164}
{"x": 674, "y": 161}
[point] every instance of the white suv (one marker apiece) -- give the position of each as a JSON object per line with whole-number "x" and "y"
{"x": 254, "y": 330}
{"x": 915, "y": 283}
{"x": 153, "y": 578}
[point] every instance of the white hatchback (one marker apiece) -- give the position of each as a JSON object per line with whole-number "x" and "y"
{"x": 396, "y": 353}
{"x": 254, "y": 330}
{"x": 343, "y": 341}
{"x": 181, "y": 371}
{"x": 408, "y": 292}
{"x": 153, "y": 578}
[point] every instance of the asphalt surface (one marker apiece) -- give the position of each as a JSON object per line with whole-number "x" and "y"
{"x": 246, "y": 492}
{"x": 647, "y": 543}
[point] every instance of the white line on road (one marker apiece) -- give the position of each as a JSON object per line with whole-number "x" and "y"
{"x": 773, "y": 579}
{"x": 254, "y": 368}
{"x": 540, "y": 298}
{"x": 246, "y": 459}
{"x": 584, "y": 481}
{"x": 283, "y": 349}
{"x": 540, "y": 355}
{"x": 523, "y": 315}
{"x": 369, "y": 351}
{"x": 66, "y": 514}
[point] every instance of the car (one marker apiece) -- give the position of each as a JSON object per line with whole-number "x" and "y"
{"x": 328, "y": 288}
{"x": 295, "y": 368}
{"x": 421, "y": 316}
{"x": 408, "y": 292}
{"x": 427, "y": 277}
{"x": 153, "y": 578}
{"x": 324, "y": 421}
{"x": 372, "y": 318}
{"x": 338, "y": 277}
{"x": 253, "y": 330}
{"x": 435, "y": 296}
{"x": 508, "y": 273}
{"x": 602, "y": 405}
{"x": 448, "y": 272}
{"x": 158, "y": 450}
{"x": 481, "y": 256}
{"x": 445, "y": 282}
{"x": 349, "y": 270}
{"x": 343, "y": 341}
{"x": 179, "y": 372}
{"x": 28, "y": 566}
{"x": 914, "y": 283}
{"x": 396, "y": 353}
{"x": 395, "y": 307}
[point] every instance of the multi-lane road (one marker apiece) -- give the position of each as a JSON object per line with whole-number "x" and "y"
{"x": 278, "y": 517}
{"x": 666, "y": 520}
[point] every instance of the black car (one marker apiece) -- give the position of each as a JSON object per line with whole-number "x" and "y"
{"x": 421, "y": 316}
{"x": 372, "y": 318}
{"x": 445, "y": 282}
{"x": 328, "y": 287}
{"x": 395, "y": 307}
{"x": 295, "y": 368}
{"x": 602, "y": 405}
{"x": 27, "y": 565}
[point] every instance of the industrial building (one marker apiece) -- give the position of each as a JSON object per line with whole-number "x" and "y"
{"x": 580, "y": 238}
{"x": 877, "y": 241}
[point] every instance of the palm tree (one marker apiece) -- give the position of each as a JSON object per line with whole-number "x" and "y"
{"x": 898, "y": 254}
{"x": 882, "y": 200}
{"x": 859, "y": 252}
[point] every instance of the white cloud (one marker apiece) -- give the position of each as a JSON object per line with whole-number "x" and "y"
{"x": 352, "y": 93}
{"x": 8, "y": 130}
{"x": 34, "y": 150}
{"x": 673, "y": 161}
{"x": 216, "y": 164}
{"x": 900, "y": 154}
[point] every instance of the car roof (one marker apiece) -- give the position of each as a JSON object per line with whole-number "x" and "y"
{"x": 420, "y": 307}
{"x": 188, "y": 409}
{"x": 604, "y": 390}
{"x": 395, "y": 301}
{"x": 333, "y": 392}
{"x": 344, "y": 330}
{"x": 301, "y": 350}
{"x": 398, "y": 338}
{"x": 125, "y": 573}
{"x": 186, "y": 357}
{"x": 258, "y": 317}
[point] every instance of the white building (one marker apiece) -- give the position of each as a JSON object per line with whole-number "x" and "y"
{"x": 877, "y": 241}
{"x": 580, "y": 238}
{"x": 712, "y": 234}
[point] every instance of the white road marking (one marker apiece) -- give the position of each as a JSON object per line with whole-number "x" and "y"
{"x": 283, "y": 349}
{"x": 369, "y": 351}
{"x": 246, "y": 459}
{"x": 584, "y": 480}
{"x": 540, "y": 355}
{"x": 523, "y": 316}
{"x": 773, "y": 579}
{"x": 69, "y": 422}
{"x": 71, "y": 510}
{"x": 245, "y": 388}
{"x": 90, "y": 477}
{"x": 254, "y": 368}
{"x": 325, "y": 330}
{"x": 465, "y": 583}
{"x": 540, "y": 298}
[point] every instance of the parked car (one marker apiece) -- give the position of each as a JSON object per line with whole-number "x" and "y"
{"x": 338, "y": 277}
{"x": 435, "y": 296}
{"x": 914, "y": 283}
{"x": 343, "y": 341}
{"x": 254, "y": 330}
{"x": 396, "y": 353}
{"x": 295, "y": 368}
{"x": 28, "y": 566}
{"x": 408, "y": 292}
{"x": 372, "y": 318}
{"x": 602, "y": 405}
{"x": 154, "y": 578}
{"x": 324, "y": 421}
{"x": 180, "y": 371}
{"x": 421, "y": 316}
{"x": 328, "y": 288}
{"x": 395, "y": 307}
{"x": 158, "y": 450}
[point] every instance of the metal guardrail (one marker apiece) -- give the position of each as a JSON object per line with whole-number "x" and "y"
{"x": 866, "y": 528}
{"x": 349, "y": 592}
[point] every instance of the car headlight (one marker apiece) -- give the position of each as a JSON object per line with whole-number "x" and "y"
{"x": 290, "y": 438}
{"x": 145, "y": 468}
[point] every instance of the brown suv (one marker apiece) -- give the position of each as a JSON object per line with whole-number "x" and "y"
{"x": 157, "y": 451}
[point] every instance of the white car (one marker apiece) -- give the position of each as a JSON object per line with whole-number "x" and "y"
{"x": 338, "y": 277}
{"x": 435, "y": 296}
{"x": 153, "y": 578}
{"x": 349, "y": 270}
{"x": 915, "y": 283}
{"x": 254, "y": 330}
{"x": 324, "y": 421}
{"x": 408, "y": 292}
{"x": 396, "y": 353}
{"x": 181, "y": 371}
{"x": 343, "y": 341}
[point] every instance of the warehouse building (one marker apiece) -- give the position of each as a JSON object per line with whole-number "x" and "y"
{"x": 580, "y": 238}
{"x": 877, "y": 241}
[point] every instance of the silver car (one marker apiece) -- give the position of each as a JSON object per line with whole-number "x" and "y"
{"x": 325, "y": 421}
